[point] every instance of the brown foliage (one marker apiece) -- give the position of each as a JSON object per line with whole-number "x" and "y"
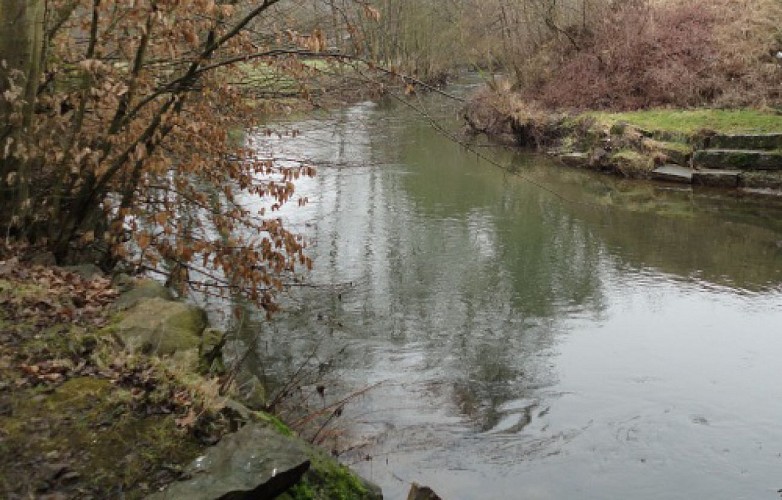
{"x": 128, "y": 152}
{"x": 645, "y": 54}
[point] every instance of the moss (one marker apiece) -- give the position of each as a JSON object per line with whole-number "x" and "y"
{"x": 618, "y": 128}
{"x": 301, "y": 491}
{"x": 328, "y": 479}
{"x": 161, "y": 326}
{"x": 274, "y": 422}
{"x": 631, "y": 163}
{"x": 762, "y": 180}
{"x": 691, "y": 122}
{"x": 86, "y": 423}
{"x": 676, "y": 146}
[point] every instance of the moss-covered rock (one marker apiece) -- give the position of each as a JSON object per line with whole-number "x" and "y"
{"x": 327, "y": 479}
{"x": 210, "y": 351}
{"x": 632, "y": 163}
{"x": 162, "y": 327}
{"x": 255, "y": 462}
{"x": 138, "y": 290}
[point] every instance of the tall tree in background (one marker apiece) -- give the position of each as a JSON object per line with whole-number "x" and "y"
{"x": 21, "y": 42}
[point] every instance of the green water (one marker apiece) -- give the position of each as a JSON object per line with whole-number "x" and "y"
{"x": 535, "y": 331}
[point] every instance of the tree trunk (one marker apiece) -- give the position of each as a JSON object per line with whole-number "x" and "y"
{"x": 21, "y": 42}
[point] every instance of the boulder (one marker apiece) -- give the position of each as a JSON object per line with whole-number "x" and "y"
{"x": 138, "y": 290}
{"x": 255, "y": 462}
{"x": 162, "y": 326}
{"x": 86, "y": 271}
{"x": 210, "y": 351}
{"x": 418, "y": 492}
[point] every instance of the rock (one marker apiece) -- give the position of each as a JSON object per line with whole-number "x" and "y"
{"x": 251, "y": 389}
{"x": 482, "y": 117}
{"x": 86, "y": 271}
{"x": 327, "y": 479}
{"x": 122, "y": 282}
{"x": 141, "y": 289}
{"x": 162, "y": 326}
{"x": 761, "y": 180}
{"x": 418, "y": 492}
{"x": 676, "y": 152}
{"x": 735, "y": 159}
{"x": 43, "y": 258}
{"x": 673, "y": 173}
{"x": 574, "y": 159}
{"x": 598, "y": 157}
{"x": 746, "y": 141}
{"x": 716, "y": 178}
{"x": 254, "y": 463}
{"x": 210, "y": 352}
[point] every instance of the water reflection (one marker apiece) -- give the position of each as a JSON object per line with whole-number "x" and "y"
{"x": 490, "y": 309}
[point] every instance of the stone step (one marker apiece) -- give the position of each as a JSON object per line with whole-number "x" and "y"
{"x": 574, "y": 159}
{"x": 737, "y": 159}
{"x": 673, "y": 173}
{"x": 716, "y": 178}
{"x": 768, "y": 180}
{"x": 745, "y": 141}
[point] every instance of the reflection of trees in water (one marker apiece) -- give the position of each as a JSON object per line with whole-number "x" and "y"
{"x": 704, "y": 234}
{"x": 477, "y": 267}
{"x": 441, "y": 255}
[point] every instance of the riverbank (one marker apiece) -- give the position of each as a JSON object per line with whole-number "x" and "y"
{"x": 737, "y": 149}
{"x": 112, "y": 388}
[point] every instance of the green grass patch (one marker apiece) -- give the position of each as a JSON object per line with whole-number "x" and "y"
{"x": 694, "y": 121}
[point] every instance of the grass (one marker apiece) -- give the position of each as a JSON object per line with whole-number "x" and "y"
{"x": 693, "y": 121}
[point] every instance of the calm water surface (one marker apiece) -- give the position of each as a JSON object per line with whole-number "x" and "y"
{"x": 590, "y": 339}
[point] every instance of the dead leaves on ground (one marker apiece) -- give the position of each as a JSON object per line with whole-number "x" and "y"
{"x": 47, "y": 296}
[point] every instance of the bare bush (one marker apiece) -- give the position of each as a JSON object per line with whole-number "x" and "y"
{"x": 646, "y": 54}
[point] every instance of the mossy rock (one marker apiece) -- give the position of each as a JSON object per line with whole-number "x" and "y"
{"x": 161, "y": 326}
{"x": 210, "y": 352}
{"x": 327, "y": 479}
{"x": 255, "y": 462}
{"x": 632, "y": 163}
{"x": 140, "y": 290}
{"x": 86, "y": 271}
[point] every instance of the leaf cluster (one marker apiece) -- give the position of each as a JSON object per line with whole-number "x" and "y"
{"x": 124, "y": 155}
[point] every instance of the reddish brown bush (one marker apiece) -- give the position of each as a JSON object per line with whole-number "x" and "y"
{"x": 641, "y": 56}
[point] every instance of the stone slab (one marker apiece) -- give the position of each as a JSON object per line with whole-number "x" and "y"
{"x": 746, "y": 141}
{"x": 574, "y": 159}
{"x": 716, "y": 178}
{"x": 673, "y": 173}
{"x": 253, "y": 463}
{"x": 735, "y": 159}
{"x": 762, "y": 180}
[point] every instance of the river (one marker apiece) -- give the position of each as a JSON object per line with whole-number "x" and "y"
{"x": 536, "y": 332}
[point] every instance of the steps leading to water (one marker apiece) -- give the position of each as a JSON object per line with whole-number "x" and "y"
{"x": 730, "y": 161}
{"x": 737, "y": 159}
{"x": 744, "y": 141}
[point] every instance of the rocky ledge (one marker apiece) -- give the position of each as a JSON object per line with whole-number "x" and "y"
{"x": 105, "y": 396}
{"x": 751, "y": 162}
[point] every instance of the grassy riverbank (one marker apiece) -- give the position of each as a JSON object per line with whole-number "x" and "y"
{"x": 81, "y": 415}
{"x": 86, "y": 412}
{"x": 737, "y": 148}
{"x": 695, "y": 121}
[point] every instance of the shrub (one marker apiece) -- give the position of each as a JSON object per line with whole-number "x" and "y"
{"x": 646, "y": 54}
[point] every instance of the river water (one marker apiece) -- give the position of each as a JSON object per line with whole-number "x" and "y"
{"x": 536, "y": 332}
